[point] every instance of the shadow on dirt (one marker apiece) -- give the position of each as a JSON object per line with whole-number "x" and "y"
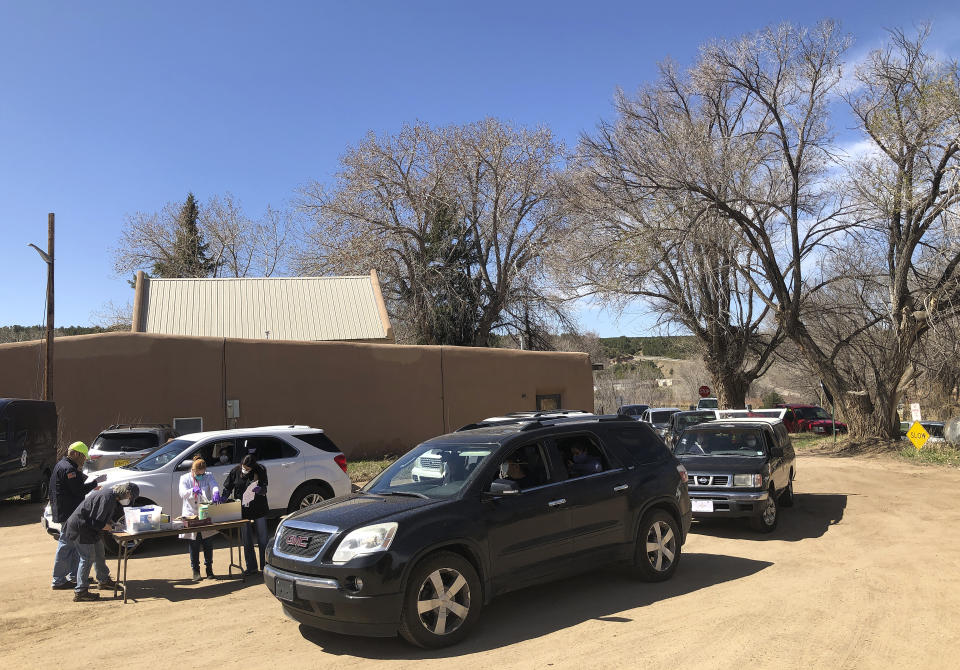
{"x": 20, "y": 512}
{"x": 177, "y": 590}
{"x": 811, "y": 516}
{"x": 541, "y": 610}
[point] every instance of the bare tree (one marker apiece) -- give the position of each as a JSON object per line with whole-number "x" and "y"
{"x": 455, "y": 220}
{"x": 242, "y": 246}
{"x": 669, "y": 250}
{"x": 238, "y": 245}
{"x": 114, "y": 317}
{"x": 767, "y": 173}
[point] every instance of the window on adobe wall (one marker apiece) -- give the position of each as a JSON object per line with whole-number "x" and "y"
{"x": 545, "y": 403}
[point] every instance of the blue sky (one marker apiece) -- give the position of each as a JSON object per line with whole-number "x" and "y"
{"x": 108, "y": 108}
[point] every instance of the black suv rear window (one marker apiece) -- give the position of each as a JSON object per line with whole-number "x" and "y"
{"x": 117, "y": 442}
{"x": 320, "y": 441}
{"x": 637, "y": 444}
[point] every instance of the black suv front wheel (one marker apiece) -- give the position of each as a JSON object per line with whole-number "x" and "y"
{"x": 658, "y": 546}
{"x": 442, "y": 601}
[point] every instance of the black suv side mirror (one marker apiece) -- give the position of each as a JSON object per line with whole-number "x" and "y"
{"x": 503, "y": 487}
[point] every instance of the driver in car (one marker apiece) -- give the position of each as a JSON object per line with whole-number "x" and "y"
{"x": 512, "y": 469}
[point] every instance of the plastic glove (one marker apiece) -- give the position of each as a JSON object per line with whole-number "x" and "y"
{"x": 257, "y": 489}
{"x": 196, "y": 490}
{"x": 216, "y": 497}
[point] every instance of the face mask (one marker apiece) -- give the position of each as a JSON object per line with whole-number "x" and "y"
{"x": 125, "y": 502}
{"x": 224, "y": 459}
{"x": 199, "y": 475}
{"x": 245, "y": 471}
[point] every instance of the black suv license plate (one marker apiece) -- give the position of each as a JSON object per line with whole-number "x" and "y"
{"x": 285, "y": 589}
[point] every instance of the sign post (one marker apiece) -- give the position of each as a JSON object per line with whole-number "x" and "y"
{"x": 918, "y": 435}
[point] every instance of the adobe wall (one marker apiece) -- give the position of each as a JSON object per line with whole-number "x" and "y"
{"x": 372, "y": 399}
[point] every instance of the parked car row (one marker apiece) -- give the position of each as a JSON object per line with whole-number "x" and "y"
{"x": 797, "y": 418}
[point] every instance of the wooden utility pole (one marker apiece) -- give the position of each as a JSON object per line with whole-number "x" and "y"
{"x": 48, "y": 368}
{"x": 47, "y": 257}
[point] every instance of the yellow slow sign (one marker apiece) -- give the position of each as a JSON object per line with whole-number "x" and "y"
{"x": 918, "y": 435}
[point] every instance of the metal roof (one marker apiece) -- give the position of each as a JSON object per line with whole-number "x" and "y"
{"x": 288, "y": 308}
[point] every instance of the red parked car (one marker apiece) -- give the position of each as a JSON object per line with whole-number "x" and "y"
{"x": 809, "y": 418}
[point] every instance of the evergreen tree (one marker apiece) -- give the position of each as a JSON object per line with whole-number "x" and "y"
{"x": 189, "y": 257}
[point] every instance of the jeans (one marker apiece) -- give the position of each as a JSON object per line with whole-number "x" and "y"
{"x": 195, "y": 545}
{"x": 246, "y": 532}
{"x": 91, "y": 555}
{"x": 65, "y": 563}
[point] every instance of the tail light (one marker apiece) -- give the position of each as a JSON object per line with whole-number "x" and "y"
{"x": 341, "y": 461}
{"x": 93, "y": 457}
{"x": 683, "y": 473}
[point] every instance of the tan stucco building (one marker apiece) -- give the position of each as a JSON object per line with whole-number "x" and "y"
{"x": 372, "y": 399}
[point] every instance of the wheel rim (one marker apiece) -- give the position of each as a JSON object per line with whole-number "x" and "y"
{"x": 310, "y": 499}
{"x": 661, "y": 546}
{"x": 770, "y": 512}
{"x": 443, "y": 601}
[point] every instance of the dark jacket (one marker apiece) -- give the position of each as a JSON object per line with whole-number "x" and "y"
{"x": 86, "y": 523}
{"x": 236, "y": 483}
{"x": 67, "y": 489}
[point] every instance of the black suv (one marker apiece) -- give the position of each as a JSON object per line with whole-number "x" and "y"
{"x": 517, "y": 504}
{"x": 739, "y": 468}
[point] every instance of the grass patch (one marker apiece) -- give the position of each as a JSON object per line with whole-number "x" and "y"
{"x": 364, "y": 471}
{"x": 936, "y": 453}
{"x": 803, "y": 441}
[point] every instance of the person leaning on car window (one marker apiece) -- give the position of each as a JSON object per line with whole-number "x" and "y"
{"x": 244, "y": 476}
{"x": 68, "y": 488}
{"x": 84, "y": 529}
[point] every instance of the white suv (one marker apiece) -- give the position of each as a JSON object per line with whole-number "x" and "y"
{"x": 303, "y": 466}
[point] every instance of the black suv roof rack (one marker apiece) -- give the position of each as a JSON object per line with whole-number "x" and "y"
{"x": 120, "y": 426}
{"x": 552, "y": 421}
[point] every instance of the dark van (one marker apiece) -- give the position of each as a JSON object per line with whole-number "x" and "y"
{"x": 28, "y": 447}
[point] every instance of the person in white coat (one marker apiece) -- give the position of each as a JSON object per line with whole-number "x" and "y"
{"x": 197, "y": 486}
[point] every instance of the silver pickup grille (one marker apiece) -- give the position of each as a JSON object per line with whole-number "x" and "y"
{"x": 702, "y": 480}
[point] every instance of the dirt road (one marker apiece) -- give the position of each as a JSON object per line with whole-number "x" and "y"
{"x": 863, "y": 573}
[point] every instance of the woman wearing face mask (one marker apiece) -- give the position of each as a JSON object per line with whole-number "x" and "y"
{"x": 253, "y": 476}
{"x": 224, "y": 458}
{"x": 198, "y": 486}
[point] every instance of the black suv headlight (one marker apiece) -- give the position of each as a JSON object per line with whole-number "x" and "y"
{"x": 366, "y": 540}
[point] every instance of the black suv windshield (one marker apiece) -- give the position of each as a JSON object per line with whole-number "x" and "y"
{"x": 112, "y": 442}
{"x": 431, "y": 471}
{"x": 161, "y": 456}
{"x": 728, "y": 442}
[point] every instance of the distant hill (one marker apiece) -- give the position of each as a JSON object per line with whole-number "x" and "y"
{"x": 668, "y": 346}
{"x": 27, "y": 333}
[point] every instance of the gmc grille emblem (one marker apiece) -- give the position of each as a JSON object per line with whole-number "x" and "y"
{"x": 298, "y": 541}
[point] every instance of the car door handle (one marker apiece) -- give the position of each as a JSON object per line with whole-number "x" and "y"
{"x": 622, "y": 487}
{"x": 557, "y": 503}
